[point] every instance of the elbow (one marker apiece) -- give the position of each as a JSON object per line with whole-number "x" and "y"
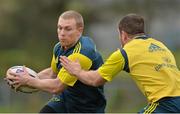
{"x": 95, "y": 79}
{"x": 56, "y": 90}
{"x": 95, "y": 83}
{"x": 98, "y": 82}
{"x": 59, "y": 88}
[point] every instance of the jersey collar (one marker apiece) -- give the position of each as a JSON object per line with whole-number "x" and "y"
{"x": 141, "y": 37}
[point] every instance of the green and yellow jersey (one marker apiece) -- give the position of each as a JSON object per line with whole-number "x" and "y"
{"x": 151, "y": 65}
{"x": 78, "y": 96}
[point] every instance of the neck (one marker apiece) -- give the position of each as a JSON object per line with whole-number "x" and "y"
{"x": 65, "y": 47}
{"x": 136, "y": 35}
{"x": 69, "y": 46}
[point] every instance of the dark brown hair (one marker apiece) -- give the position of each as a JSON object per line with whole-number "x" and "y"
{"x": 132, "y": 24}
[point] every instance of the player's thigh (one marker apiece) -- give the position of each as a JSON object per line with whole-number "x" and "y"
{"x": 47, "y": 109}
{"x": 57, "y": 104}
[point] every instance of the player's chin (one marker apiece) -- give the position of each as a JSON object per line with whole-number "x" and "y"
{"x": 63, "y": 43}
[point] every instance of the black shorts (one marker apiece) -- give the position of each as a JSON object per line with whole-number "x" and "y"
{"x": 56, "y": 104}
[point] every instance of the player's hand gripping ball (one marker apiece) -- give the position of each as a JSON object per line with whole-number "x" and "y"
{"x": 23, "y": 88}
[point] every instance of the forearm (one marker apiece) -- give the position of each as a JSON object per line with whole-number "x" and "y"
{"x": 91, "y": 78}
{"x": 49, "y": 85}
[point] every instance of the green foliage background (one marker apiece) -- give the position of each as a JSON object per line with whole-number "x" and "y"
{"x": 28, "y": 34}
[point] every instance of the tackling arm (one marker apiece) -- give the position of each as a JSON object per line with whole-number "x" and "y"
{"x": 114, "y": 64}
{"x": 92, "y": 78}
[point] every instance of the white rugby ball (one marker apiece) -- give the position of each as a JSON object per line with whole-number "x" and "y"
{"x": 24, "y": 89}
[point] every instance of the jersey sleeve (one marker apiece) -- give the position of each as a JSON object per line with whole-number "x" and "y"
{"x": 114, "y": 64}
{"x": 85, "y": 63}
{"x": 54, "y": 60}
{"x": 53, "y": 64}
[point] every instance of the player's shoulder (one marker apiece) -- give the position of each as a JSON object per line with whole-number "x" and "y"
{"x": 88, "y": 48}
{"x": 87, "y": 42}
{"x": 56, "y": 47}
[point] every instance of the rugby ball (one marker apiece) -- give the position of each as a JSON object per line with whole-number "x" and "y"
{"x": 24, "y": 89}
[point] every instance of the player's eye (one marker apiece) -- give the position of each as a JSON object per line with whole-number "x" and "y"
{"x": 59, "y": 28}
{"x": 68, "y": 28}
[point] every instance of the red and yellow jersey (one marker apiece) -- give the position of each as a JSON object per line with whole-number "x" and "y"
{"x": 151, "y": 65}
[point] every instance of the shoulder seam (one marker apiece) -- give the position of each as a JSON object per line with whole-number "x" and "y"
{"x": 77, "y": 48}
{"x": 57, "y": 45}
{"x": 126, "y": 65}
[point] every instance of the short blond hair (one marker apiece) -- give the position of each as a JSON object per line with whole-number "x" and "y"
{"x": 73, "y": 15}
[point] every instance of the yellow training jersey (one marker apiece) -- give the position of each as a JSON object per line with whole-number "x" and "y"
{"x": 151, "y": 65}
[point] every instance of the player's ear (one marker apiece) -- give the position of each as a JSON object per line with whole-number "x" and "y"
{"x": 125, "y": 35}
{"x": 80, "y": 29}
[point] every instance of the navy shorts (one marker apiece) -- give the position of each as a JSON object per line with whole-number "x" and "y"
{"x": 164, "y": 105}
{"x": 57, "y": 104}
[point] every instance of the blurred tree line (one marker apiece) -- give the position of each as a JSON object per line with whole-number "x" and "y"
{"x": 28, "y": 30}
{"x": 28, "y": 27}
{"x": 28, "y": 34}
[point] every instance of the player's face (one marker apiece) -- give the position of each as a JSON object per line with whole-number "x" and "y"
{"x": 68, "y": 32}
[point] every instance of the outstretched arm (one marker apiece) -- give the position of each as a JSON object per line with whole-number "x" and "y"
{"x": 92, "y": 78}
{"x": 113, "y": 65}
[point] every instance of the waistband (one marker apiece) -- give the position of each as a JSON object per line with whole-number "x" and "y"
{"x": 168, "y": 98}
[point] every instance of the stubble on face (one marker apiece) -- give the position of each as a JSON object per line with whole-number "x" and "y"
{"x": 68, "y": 33}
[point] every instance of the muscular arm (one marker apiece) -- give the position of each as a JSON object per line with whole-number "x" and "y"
{"x": 49, "y": 85}
{"x": 113, "y": 65}
{"x": 50, "y": 82}
{"x": 92, "y": 78}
